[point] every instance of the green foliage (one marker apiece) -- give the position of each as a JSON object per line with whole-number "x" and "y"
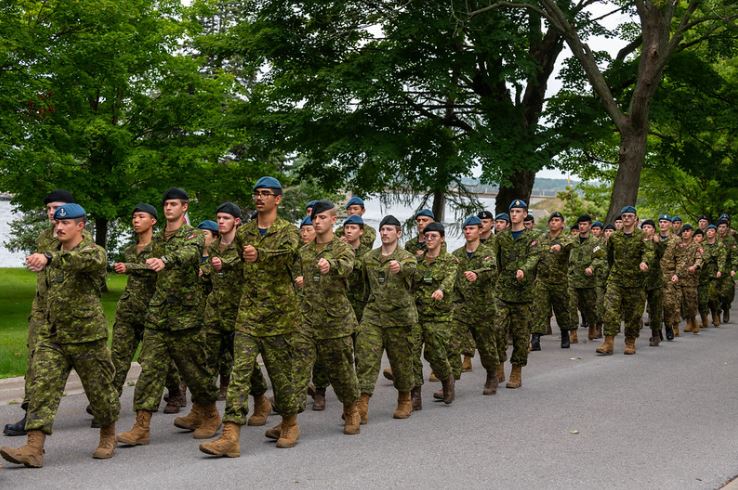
{"x": 585, "y": 198}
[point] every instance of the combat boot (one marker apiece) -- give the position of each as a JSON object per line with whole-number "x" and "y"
{"x": 262, "y": 409}
{"x": 705, "y": 322}
{"x": 591, "y": 332}
{"x": 726, "y": 315}
{"x": 16, "y": 429}
{"x": 630, "y": 346}
{"x": 351, "y": 419}
{"x": 501, "y": 372}
{"x": 695, "y": 328}
{"x": 319, "y": 399}
{"x": 598, "y": 331}
{"x": 688, "y": 327}
{"x": 417, "y": 399}
{"x": 449, "y": 389}
{"x": 192, "y": 420}
{"x": 139, "y": 433}
{"x": 655, "y": 339}
{"x": 209, "y": 423}
{"x": 106, "y": 446}
{"x": 404, "y": 405}
{"x": 290, "y": 432}
{"x": 363, "y": 407}
{"x": 566, "y": 338}
{"x": 387, "y": 373}
{"x": 274, "y": 432}
{"x": 175, "y": 400}
{"x": 607, "y": 346}
{"x": 490, "y": 385}
{"x": 715, "y": 318}
{"x": 573, "y": 337}
{"x": 675, "y": 327}
{"x": 466, "y": 365}
{"x": 433, "y": 378}
{"x": 228, "y": 444}
{"x": 223, "y": 389}
{"x": 31, "y": 455}
{"x": 516, "y": 377}
{"x": 535, "y": 342}
{"x": 669, "y": 332}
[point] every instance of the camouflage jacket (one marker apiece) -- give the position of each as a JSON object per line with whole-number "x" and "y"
{"x": 512, "y": 255}
{"x": 714, "y": 257}
{"x": 391, "y": 302}
{"x": 474, "y": 301}
{"x": 357, "y": 293}
{"x": 269, "y": 304}
{"x": 731, "y": 248}
{"x": 585, "y": 253}
{"x": 430, "y": 276}
{"x": 678, "y": 258}
{"x": 655, "y": 276}
{"x": 140, "y": 287}
{"x": 226, "y": 286}
{"x": 553, "y": 267}
{"x": 624, "y": 256}
{"x": 178, "y": 299}
{"x": 45, "y": 242}
{"x": 414, "y": 245}
{"x": 367, "y": 239}
{"x": 326, "y": 309}
{"x": 74, "y": 278}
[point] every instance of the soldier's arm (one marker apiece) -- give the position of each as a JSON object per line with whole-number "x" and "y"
{"x": 599, "y": 261}
{"x": 408, "y": 265}
{"x": 449, "y": 280}
{"x": 86, "y": 259}
{"x": 668, "y": 264}
{"x": 649, "y": 254}
{"x": 532, "y": 258}
{"x": 286, "y": 248}
{"x": 342, "y": 262}
{"x": 698, "y": 258}
{"x": 188, "y": 253}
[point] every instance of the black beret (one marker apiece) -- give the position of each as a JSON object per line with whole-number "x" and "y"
{"x": 390, "y": 220}
{"x": 703, "y": 217}
{"x": 321, "y": 207}
{"x": 435, "y": 226}
{"x": 175, "y": 193}
{"x": 59, "y": 195}
{"x": 574, "y": 227}
{"x": 485, "y": 215}
{"x": 585, "y": 218}
{"x": 698, "y": 231}
{"x": 609, "y": 226}
{"x": 685, "y": 228}
{"x": 556, "y": 214}
{"x": 648, "y": 222}
{"x": 529, "y": 217}
{"x": 229, "y": 208}
{"x": 722, "y": 222}
{"x": 146, "y": 208}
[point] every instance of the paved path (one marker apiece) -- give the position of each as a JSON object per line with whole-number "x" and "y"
{"x": 665, "y": 418}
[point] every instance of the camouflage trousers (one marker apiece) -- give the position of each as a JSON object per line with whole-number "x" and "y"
{"x": 516, "y": 319}
{"x": 548, "y": 296}
{"x": 219, "y": 351}
{"x": 35, "y": 322}
{"x": 187, "y": 349}
{"x": 278, "y": 355}
{"x": 600, "y": 302}
{"x": 468, "y": 346}
{"x": 320, "y": 370}
{"x": 52, "y": 363}
{"x": 336, "y": 357}
{"x": 655, "y": 301}
{"x": 587, "y": 304}
{"x": 679, "y": 301}
{"x": 371, "y": 342}
{"x": 486, "y": 338}
{"x": 627, "y": 304}
{"x": 726, "y": 291}
{"x": 126, "y": 338}
{"x": 431, "y": 339}
{"x": 708, "y": 297}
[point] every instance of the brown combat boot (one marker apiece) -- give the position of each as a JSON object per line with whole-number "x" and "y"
{"x": 688, "y": 327}
{"x": 404, "y": 405}
{"x": 31, "y": 455}
{"x": 449, "y": 389}
{"x": 106, "y": 446}
{"x": 630, "y": 346}
{"x": 695, "y": 327}
{"x": 726, "y": 316}
{"x": 573, "y": 337}
{"x": 228, "y": 444}
{"x": 176, "y": 399}
{"x": 274, "y": 432}
{"x": 433, "y": 378}
{"x": 675, "y": 328}
{"x": 516, "y": 377}
{"x": 319, "y": 400}
{"x": 598, "y": 331}
{"x": 290, "y": 432}
{"x": 715, "y": 318}
{"x": 466, "y": 366}
{"x": 705, "y": 322}
{"x": 262, "y": 409}
{"x": 387, "y": 373}
{"x": 501, "y": 372}
{"x": 363, "y": 407}
{"x": 417, "y": 399}
{"x": 607, "y": 346}
{"x": 351, "y": 418}
{"x": 139, "y": 433}
{"x": 192, "y": 420}
{"x": 490, "y": 386}
{"x": 210, "y": 422}
{"x": 223, "y": 389}
{"x": 591, "y": 332}
{"x": 655, "y": 339}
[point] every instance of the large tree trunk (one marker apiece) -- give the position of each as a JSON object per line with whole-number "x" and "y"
{"x": 439, "y": 205}
{"x": 630, "y": 164}
{"x": 521, "y": 187}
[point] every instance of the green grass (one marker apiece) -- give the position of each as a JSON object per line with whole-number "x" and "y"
{"x": 17, "y": 288}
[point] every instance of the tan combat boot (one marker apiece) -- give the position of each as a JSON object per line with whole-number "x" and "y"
{"x": 139, "y": 433}
{"x": 192, "y": 420}
{"x": 688, "y": 327}
{"x": 466, "y": 366}
{"x": 516, "y": 377}
{"x": 695, "y": 327}
{"x": 705, "y": 322}
{"x": 290, "y": 432}
{"x": 607, "y": 346}
{"x": 106, "y": 446}
{"x": 675, "y": 327}
{"x": 228, "y": 444}
{"x": 630, "y": 346}
{"x": 31, "y": 455}
{"x": 417, "y": 399}
{"x": 363, "y": 407}
{"x": 404, "y": 405}
{"x": 591, "y": 332}
{"x": 715, "y": 318}
{"x": 433, "y": 378}
{"x": 490, "y": 385}
{"x": 319, "y": 400}
{"x": 501, "y": 372}
{"x": 262, "y": 409}
{"x": 351, "y": 418}
{"x": 598, "y": 331}
{"x": 274, "y": 432}
{"x": 387, "y": 373}
{"x": 210, "y": 422}
{"x": 573, "y": 337}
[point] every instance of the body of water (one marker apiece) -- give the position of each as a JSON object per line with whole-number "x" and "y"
{"x": 7, "y": 258}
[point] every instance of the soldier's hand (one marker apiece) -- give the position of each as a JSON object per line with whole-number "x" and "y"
{"x": 588, "y": 271}
{"x": 36, "y": 262}
{"x": 732, "y": 273}
{"x": 394, "y": 266}
{"x": 692, "y": 269}
{"x": 718, "y": 274}
{"x": 470, "y": 276}
{"x": 217, "y": 263}
{"x": 299, "y": 281}
{"x": 555, "y": 248}
{"x": 437, "y": 295}
{"x": 250, "y": 254}
{"x": 120, "y": 267}
{"x": 343, "y": 238}
{"x": 643, "y": 266}
{"x": 420, "y": 253}
{"x": 324, "y": 266}
{"x": 520, "y": 275}
{"x": 155, "y": 264}
{"x": 674, "y": 279}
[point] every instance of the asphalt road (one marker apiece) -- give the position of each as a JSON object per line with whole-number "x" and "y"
{"x": 664, "y": 418}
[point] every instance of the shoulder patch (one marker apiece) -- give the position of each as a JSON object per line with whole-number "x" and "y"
{"x": 596, "y": 248}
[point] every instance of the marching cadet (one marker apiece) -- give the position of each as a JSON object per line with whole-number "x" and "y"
{"x": 529, "y": 222}
{"x": 727, "y": 281}
{"x": 307, "y": 230}
{"x": 713, "y": 268}
{"x": 488, "y": 223}
{"x": 681, "y": 263}
{"x": 587, "y": 260}
{"x": 417, "y": 245}
{"x": 676, "y": 225}
{"x": 654, "y": 283}
{"x": 502, "y": 221}
{"x": 355, "y": 207}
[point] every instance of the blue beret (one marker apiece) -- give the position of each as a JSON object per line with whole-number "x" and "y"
{"x": 598, "y": 224}
{"x": 517, "y": 203}
{"x": 425, "y": 212}
{"x": 310, "y": 204}
{"x": 268, "y": 183}
{"x": 306, "y": 221}
{"x": 503, "y": 216}
{"x": 676, "y": 218}
{"x": 175, "y": 193}
{"x": 724, "y": 216}
{"x": 665, "y": 217}
{"x": 628, "y": 209}
{"x": 355, "y": 201}
{"x": 229, "y": 208}
{"x": 711, "y": 226}
{"x": 143, "y": 207}
{"x": 69, "y": 211}
{"x": 472, "y": 221}
{"x": 354, "y": 220}
{"x": 209, "y": 225}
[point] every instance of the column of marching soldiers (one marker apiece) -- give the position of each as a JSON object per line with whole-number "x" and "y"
{"x": 321, "y": 307}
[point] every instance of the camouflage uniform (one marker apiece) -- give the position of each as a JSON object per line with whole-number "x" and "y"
{"x": 74, "y": 336}
{"x": 713, "y": 261}
{"x": 625, "y": 297}
{"x": 551, "y": 289}
{"x": 388, "y": 320}
{"x": 678, "y": 257}
{"x": 174, "y": 323}
{"x": 434, "y": 317}
{"x": 367, "y": 239}
{"x": 514, "y": 297}
{"x": 727, "y": 282}
{"x": 414, "y": 245}
{"x": 654, "y": 285}
{"x": 268, "y": 319}
{"x": 586, "y": 253}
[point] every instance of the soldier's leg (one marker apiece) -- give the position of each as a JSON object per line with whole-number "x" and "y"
{"x": 454, "y": 347}
{"x": 655, "y": 312}
{"x": 417, "y": 339}
{"x": 92, "y": 362}
{"x": 173, "y": 380}
{"x": 600, "y": 302}
{"x": 35, "y": 322}
{"x": 226, "y": 354}
{"x": 302, "y": 347}
{"x": 542, "y": 309}
{"x": 690, "y": 301}
{"x": 727, "y": 292}
{"x": 633, "y": 304}
{"x": 467, "y": 344}
{"x": 50, "y": 373}
{"x": 713, "y": 302}
{"x": 436, "y": 337}
{"x": 279, "y": 359}
{"x": 559, "y": 299}
{"x": 321, "y": 378}
{"x": 212, "y": 343}
{"x": 519, "y": 321}
{"x": 613, "y": 310}
{"x": 369, "y": 348}
{"x": 155, "y": 363}
{"x": 486, "y": 342}
{"x": 400, "y": 351}
{"x": 703, "y": 299}
{"x": 587, "y": 301}
{"x": 126, "y": 338}
{"x": 187, "y": 349}
{"x": 338, "y": 354}
{"x": 258, "y": 381}
{"x": 246, "y": 349}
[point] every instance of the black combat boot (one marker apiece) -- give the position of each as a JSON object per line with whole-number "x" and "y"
{"x": 535, "y": 342}
{"x": 565, "y": 344}
{"x": 16, "y": 429}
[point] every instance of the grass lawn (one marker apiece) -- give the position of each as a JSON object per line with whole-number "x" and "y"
{"x": 17, "y": 288}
